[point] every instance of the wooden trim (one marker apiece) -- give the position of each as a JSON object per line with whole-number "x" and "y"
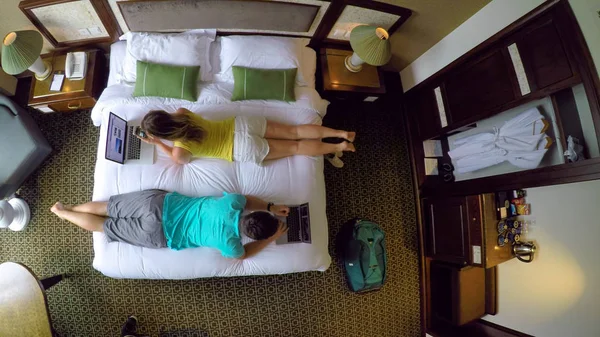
{"x": 120, "y": 4}
{"x": 561, "y": 132}
{"x": 536, "y": 12}
{"x": 327, "y": 22}
{"x": 285, "y": 2}
{"x": 107, "y": 16}
{"x": 104, "y": 13}
{"x": 491, "y": 290}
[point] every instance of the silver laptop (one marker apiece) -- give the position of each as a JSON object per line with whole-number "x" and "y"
{"x": 123, "y": 147}
{"x": 298, "y": 222}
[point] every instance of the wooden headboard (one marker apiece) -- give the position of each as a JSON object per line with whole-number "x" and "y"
{"x": 180, "y": 15}
{"x": 324, "y": 21}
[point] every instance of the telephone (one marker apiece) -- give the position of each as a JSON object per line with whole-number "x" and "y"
{"x": 76, "y": 65}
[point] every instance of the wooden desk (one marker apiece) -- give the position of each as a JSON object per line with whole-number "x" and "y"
{"x": 23, "y": 306}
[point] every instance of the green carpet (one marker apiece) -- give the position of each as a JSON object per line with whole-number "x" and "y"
{"x": 375, "y": 184}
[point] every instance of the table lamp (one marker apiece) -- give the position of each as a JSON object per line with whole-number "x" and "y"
{"x": 14, "y": 214}
{"x": 21, "y": 51}
{"x": 371, "y": 45}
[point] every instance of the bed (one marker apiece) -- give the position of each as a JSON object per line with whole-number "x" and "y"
{"x": 291, "y": 180}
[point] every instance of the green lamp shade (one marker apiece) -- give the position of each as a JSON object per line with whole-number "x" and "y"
{"x": 20, "y": 50}
{"x": 371, "y": 44}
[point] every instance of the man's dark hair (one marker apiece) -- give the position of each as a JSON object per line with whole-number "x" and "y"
{"x": 259, "y": 225}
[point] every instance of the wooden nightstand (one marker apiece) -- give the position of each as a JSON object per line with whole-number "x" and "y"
{"x": 338, "y": 82}
{"x": 74, "y": 95}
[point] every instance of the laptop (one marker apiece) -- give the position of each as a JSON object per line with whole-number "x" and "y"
{"x": 123, "y": 147}
{"x": 298, "y": 222}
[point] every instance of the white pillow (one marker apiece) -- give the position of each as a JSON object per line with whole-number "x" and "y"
{"x": 309, "y": 66}
{"x": 264, "y": 52}
{"x": 181, "y": 49}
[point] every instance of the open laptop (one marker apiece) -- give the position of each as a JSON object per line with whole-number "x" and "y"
{"x": 298, "y": 222}
{"x": 123, "y": 147}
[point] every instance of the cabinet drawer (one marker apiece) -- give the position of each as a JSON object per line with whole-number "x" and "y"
{"x": 479, "y": 87}
{"x": 447, "y": 230}
{"x": 73, "y": 105}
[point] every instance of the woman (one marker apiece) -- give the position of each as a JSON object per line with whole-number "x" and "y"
{"x": 243, "y": 139}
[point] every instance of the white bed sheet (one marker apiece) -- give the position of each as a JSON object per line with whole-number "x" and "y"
{"x": 291, "y": 180}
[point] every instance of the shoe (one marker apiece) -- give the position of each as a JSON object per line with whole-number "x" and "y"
{"x": 130, "y": 326}
{"x": 335, "y": 161}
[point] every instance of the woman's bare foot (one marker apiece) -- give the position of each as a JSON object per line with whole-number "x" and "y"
{"x": 57, "y": 209}
{"x": 346, "y": 146}
{"x": 350, "y": 135}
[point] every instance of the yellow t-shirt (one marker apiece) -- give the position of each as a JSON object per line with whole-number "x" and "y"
{"x": 217, "y": 142}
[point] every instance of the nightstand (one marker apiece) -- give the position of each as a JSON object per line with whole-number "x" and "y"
{"x": 339, "y": 82}
{"x": 74, "y": 95}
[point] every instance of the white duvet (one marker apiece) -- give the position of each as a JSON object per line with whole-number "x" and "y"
{"x": 291, "y": 180}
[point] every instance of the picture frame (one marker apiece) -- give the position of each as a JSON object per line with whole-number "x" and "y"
{"x": 71, "y": 23}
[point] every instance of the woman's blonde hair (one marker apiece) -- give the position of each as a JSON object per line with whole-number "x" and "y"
{"x": 164, "y": 125}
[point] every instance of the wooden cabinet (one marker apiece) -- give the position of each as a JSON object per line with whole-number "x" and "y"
{"x": 544, "y": 53}
{"x": 534, "y": 61}
{"x": 426, "y": 113}
{"x": 462, "y": 231}
{"x": 447, "y": 229}
{"x": 479, "y": 86}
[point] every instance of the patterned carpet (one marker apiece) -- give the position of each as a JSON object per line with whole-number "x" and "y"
{"x": 375, "y": 184}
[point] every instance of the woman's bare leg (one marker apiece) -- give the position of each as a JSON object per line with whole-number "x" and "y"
{"x": 93, "y": 207}
{"x": 285, "y": 148}
{"x": 306, "y": 131}
{"x": 89, "y": 222}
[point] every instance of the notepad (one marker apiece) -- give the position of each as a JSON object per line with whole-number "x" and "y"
{"x": 57, "y": 82}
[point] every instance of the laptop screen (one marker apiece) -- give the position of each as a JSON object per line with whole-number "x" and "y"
{"x": 115, "y": 140}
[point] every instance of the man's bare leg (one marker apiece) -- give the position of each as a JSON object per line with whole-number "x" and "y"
{"x": 89, "y": 222}
{"x": 93, "y": 207}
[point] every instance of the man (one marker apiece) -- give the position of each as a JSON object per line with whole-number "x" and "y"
{"x": 158, "y": 219}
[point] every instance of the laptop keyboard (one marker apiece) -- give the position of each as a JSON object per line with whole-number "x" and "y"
{"x": 134, "y": 146}
{"x": 293, "y": 222}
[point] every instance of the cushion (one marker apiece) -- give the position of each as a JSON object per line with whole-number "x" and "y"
{"x": 190, "y": 48}
{"x": 164, "y": 80}
{"x": 275, "y": 84}
{"x": 264, "y": 52}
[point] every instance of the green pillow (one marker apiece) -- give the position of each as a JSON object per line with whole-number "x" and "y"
{"x": 164, "y": 80}
{"x": 277, "y": 84}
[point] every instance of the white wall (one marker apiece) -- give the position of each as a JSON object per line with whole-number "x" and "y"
{"x": 491, "y": 19}
{"x": 558, "y": 294}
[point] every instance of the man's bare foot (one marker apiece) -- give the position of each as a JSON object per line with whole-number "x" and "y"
{"x": 350, "y": 135}
{"x": 346, "y": 146}
{"x": 57, "y": 209}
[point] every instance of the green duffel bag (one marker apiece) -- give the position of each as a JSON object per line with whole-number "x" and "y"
{"x": 362, "y": 247}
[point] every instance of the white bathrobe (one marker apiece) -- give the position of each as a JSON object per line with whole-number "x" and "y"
{"x": 519, "y": 141}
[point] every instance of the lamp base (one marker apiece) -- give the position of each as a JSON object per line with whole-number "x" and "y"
{"x": 350, "y": 66}
{"x": 46, "y": 73}
{"x": 21, "y": 215}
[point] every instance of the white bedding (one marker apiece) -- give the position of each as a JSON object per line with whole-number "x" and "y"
{"x": 290, "y": 181}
